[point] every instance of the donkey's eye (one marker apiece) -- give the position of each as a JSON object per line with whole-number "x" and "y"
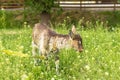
{"x": 79, "y": 42}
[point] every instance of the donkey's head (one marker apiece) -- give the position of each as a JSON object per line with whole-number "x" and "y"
{"x": 76, "y": 40}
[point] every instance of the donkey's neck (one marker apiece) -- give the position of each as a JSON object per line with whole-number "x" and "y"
{"x": 61, "y": 41}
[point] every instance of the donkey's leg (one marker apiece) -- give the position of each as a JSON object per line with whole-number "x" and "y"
{"x": 55, "y": 50}
{"x": 57, "y": 60}
{"x": 45, "y": 44}
{"x": 57, "y": 64}
{"x": 34, "y": 53}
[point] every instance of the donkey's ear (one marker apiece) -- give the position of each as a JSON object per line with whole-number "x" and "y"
{"x": 74, "y": 29}
{"x": 71, "y": 34}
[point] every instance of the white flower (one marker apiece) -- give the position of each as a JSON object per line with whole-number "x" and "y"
{"x": 106, "y": 73}
{"x": 28, "y": 26}
{"x": 24, "y": 77}
{"x": 88, "y": 78}
{"x": 93, "y": 58}
{"x": 52, "y": 78}
{"x": 7, "y": 59}
{"x": 87, "y": 67}
{"x": 78, "y": 56}
{"x": 119, "y": 68}
{"x": 2, "y": 9}
{"x": 74, "y": 78}
{"x": 86, "y": 51}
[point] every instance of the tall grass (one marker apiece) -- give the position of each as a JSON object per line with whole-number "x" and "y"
{"x": 3, "y": 19}
{"x": 8, "y": 19}
{"x": 99, "y": 60}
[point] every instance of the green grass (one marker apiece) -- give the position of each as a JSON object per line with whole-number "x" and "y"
{"x": 100, "y": 59}
{"x": 11, "y": 19}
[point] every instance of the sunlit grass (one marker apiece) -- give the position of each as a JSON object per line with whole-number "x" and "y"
{"x": 100, "y": 59}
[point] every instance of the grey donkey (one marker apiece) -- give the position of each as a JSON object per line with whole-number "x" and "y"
{"x": 46, "y": 41}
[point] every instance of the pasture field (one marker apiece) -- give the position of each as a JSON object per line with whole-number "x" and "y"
{"x": 100, "y": 59}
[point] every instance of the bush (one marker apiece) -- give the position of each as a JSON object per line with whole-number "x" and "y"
{"x": 8, "y": 19}
{"x": 40, "y": 5}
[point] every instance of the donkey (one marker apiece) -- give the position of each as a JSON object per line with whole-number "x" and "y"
{"x": 46, "y": 41}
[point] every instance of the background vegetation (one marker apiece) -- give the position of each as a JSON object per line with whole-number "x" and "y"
{"x": 99, "y": 60}
{"x": 11, "y": 19}
{"x": 16, "y": 19}
{"x": 31, "y": 15}
{"x": 101, "y": 40}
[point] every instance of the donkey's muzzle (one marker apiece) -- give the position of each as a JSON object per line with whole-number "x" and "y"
{"x": 80, "y": 50}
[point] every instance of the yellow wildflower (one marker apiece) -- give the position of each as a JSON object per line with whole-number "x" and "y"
{"x": 15, "y": 53}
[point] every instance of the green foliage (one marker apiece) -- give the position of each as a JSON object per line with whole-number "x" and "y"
{"x": 3, "y": 19}
{"x": 88, "y": 19}
{"x": 118, "y": 1}
{"x": 114, "y": 18}
{"x": 34, "y": 9}
{"x": 40, "y": 5}
{"x": 7, "y": 20}
{"x": 99, "y": 60}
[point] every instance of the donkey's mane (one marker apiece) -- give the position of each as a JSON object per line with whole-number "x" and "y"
{"x": 55, "y": 34}
{"x": 50, "y": 32}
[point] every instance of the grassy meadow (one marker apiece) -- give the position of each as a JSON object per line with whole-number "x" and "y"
{"x": 100, "y": 59}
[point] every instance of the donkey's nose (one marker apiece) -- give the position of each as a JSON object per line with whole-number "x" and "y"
{"x": 80, "y": 50}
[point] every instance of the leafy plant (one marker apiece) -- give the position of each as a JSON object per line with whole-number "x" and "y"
{"x": 2, "y": 19}
{"x": 40, "y": 5}
{"x": 99, "y": 60}
{"x": 8, "y": 19}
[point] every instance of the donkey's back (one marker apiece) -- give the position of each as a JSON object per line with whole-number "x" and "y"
{"x": 41, "y": 28}
{"x": 45, "y": 40}
{"x": 41, "y": 31}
